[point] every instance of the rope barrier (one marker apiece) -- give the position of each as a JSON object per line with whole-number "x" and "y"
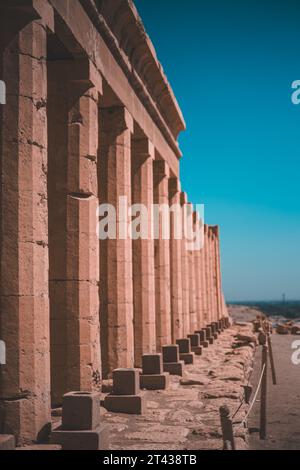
{"x": 227, "y": 422}
{"x": 255, "y": 395}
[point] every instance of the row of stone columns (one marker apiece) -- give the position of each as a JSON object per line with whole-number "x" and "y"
{"x": 62, "y": 154}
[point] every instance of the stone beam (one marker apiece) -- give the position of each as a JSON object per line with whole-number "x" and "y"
{"x": 82, "y": 38}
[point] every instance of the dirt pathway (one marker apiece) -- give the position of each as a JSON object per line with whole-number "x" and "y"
{"x": 283, "y": 399}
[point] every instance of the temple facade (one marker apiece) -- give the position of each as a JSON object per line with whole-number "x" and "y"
{"x": 89, "y": 120}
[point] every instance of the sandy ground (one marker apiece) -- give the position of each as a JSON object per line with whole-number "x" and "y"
{"x": 283, "y": 399}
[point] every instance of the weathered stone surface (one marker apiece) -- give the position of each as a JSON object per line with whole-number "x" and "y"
{"x": 24, "y": 296}
{"x": 143, "y": 252}
{"x": 176, "y": 261}
{"x": 154, "y": 381}
{"x": 170, "y": 353}
{"x": 126, "y": 382}
{"x": 116, "y": 278}
{"x": 174, "y": 368}
{"x": 80, "y": 411}
{"x": 97, "y": 439}
{"x": 131, "y": 404}
{"x": 152, "y": 364}
{"x": 162, "y": 256}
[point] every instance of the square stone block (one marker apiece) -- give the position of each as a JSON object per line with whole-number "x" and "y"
{"x": 97, "y": 439}
{"x": 184, "y": 345}
{"x": 7, "y": 442}
{"x": 215, "y": 335}
{"x": 187, "y": 358}
{"x": 81, "y": 411}
{"x": 205, "y": 344}
{"x": 130, "y": 404}
{"x": 211, "y": 340}
{"x": 208, "y": 332}
{"x": 195, "y": 340}
{"x": 126, "y": 382}
{"x": 174, "y": 368}
{"x": 202, "y": 334}
{"x": 197, "y": 350}
{"x": 170, "y": 353}
{"x": 154, "y": 381}
{"x": 152, "y": 364}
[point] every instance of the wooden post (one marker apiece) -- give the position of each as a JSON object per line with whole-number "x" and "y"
{"x": 227, "y": 429}
{"x": 272, "y": 360}
{"x": 263, "y": 396}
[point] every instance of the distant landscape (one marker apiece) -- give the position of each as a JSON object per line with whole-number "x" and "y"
{"x": 288, "y": 309}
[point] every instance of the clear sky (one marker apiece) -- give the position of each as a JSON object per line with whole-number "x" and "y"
{"x": 231, "y": 64}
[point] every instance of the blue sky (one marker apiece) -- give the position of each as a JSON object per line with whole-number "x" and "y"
{"x": 231, "y": 64}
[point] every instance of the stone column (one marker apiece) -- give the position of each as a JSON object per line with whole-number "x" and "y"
{"x": 197, "y": 274}
{"x": 162, "y": 256}
{"x": 213, "y": 273}
{"x": 116, "y": 283}
{"x": 185, "y": 270}
{"x": 176, "y": 259}
{"x": 143, "y": 251}
{"x": 206, "y": 273}
{"x": 192, "y": 278}
{"x": 74, "y": 87}
{"x": 203, "y": 279}
{"x": 218, "y": 268}
{"x": 24, "y": 297}
{"x": 210, "y": 275}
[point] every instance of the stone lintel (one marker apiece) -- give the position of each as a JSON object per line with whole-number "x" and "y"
{"x": 174, "y": 186}
{"x": 78, "y": 71}
{"x": 36, "y": 9}
{"x": 143, "y": 148}
{"x": 183, "y": 199}
{"x": 117, "y": 120}
{"x": 161, "y": 169}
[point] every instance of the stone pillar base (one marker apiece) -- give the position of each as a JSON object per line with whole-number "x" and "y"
{"x": 125, "y": 396}
{"x": 195, "y": 340}
{"x": 154, "y": 381}
{"x": 187, "y": 358}
{"x": 96, "y": 439}
{"x": 129, "y": 404}
{"x": 171, "y": 361}
{"x": 197, "y": 350}
{"x": 174, "y": 368}
{"x": 209, "y": 336}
